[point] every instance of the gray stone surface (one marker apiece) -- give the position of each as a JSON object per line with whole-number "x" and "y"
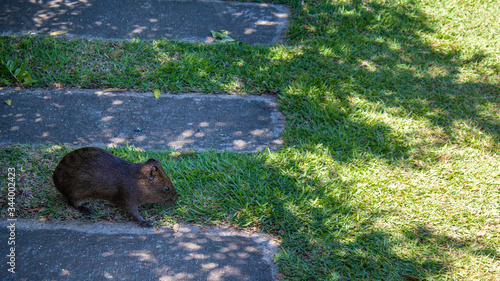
{"x": 96, "y": 118}
{"x": 192, "y": 21}
{"x": 123, "y": 251}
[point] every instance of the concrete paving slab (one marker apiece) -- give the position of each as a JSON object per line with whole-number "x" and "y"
{"x": 97, "y": 118}
{"x": 192, "y": 21}
{"x": 123, "y": 251}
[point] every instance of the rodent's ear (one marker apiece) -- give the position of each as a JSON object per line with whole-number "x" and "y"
{"x": 153, "y": 172}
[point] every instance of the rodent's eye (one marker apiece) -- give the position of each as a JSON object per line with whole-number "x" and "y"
{"x": 166, "y": 188}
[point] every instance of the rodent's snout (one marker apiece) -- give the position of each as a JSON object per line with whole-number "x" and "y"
{"x": 172, "y": 194}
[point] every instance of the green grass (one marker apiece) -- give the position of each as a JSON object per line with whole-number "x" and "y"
{"x": 391, "y": 163}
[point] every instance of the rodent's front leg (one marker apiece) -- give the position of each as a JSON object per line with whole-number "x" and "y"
{"x": 132, "y": 210}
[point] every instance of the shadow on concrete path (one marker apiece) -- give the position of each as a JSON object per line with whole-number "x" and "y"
{"x": 123, "y": 251}
{"x": 96, "y": 118}
{"x": 190, "y": 21}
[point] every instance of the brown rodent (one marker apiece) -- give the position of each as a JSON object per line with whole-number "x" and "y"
{"x": 91, "y": 172}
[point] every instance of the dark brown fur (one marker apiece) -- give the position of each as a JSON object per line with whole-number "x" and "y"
{"x": 91, "y": 172}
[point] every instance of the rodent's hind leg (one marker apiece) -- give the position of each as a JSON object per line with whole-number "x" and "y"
{"x": 84, "y": 210}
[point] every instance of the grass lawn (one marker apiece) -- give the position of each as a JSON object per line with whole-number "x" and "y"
{"x": 391, "y": 168}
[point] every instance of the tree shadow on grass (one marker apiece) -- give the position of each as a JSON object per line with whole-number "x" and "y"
{"x": 446, "y": 248}
{"x": 347, "y": 91}
{"x": 369, "y": 62}
{"x": 323, "y": 233}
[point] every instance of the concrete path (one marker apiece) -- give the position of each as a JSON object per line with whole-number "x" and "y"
{"x": 96, "y": 118}
{"x": 190, "y": 21}
{"x": 123, "y": 251}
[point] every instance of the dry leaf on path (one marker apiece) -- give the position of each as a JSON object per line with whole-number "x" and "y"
{"x": 59, "y": 32}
